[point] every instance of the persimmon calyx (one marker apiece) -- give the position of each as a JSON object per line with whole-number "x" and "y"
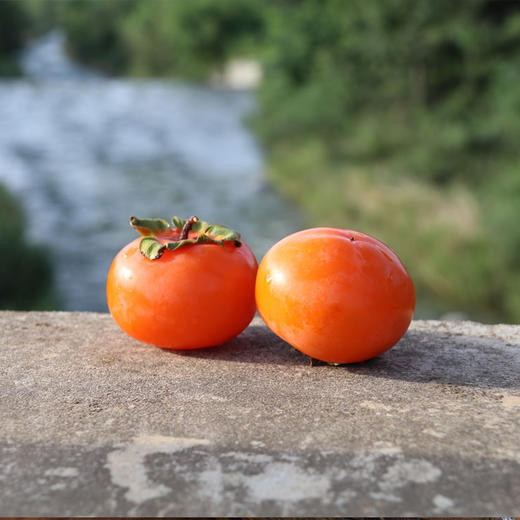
{"x": 158, "y": 235}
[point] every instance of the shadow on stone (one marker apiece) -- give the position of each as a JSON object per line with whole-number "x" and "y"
{"x": 257, "y": 344}
{"x": 419, "y": 357}
{"x": 447, "y": 359}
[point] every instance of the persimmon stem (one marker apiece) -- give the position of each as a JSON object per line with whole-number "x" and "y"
{"x": 187, "y": 226}
{"x": 313, "y": 361}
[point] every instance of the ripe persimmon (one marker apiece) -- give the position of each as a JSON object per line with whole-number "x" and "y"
{"x": 337, "y": 295}
{"x": 182, "y": 287}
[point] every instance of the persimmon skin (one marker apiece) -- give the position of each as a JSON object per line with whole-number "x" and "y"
{"x": 194, "y": 297}
{"x": 339, "y": 296}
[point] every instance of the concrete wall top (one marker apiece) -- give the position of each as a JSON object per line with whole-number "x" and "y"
{"x": 95, "y": 423}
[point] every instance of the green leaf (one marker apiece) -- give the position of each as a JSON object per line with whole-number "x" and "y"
{"x": 222, "y": 233}
{"x": 204, "y": 239}
{"x": 149, "y": 226}
{"x": 178, "y": 223}
{"x": 159, "y": 236}
{"x": 172, "y": 246}
{"x": 199, "y": 226}
{"x": 151, "y": 248}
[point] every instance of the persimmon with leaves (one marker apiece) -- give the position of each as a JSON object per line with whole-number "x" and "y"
{"x": 339, "y": 296}
{"x": 182, "y": 286}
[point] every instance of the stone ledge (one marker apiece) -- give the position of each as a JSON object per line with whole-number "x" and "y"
{"x": 95, "y": 423}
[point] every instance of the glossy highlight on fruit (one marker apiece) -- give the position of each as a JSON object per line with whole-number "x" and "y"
{"x": 337, "y": 295}
{"x": 187, "y": 286}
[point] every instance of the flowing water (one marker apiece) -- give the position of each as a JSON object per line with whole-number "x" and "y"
{"x": 84, "y": 152}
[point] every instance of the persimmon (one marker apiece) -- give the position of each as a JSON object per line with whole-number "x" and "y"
{"x": 185, "y": 286}
{"x": 337, "y": 295}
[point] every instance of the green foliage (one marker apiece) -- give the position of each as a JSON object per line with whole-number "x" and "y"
{"x": 25, "y": 270}
{"x": 160, "y": 37}
{"x": 13, "y": 25}
{"x": 42, "y": 15}
{"x": 400, "y": 118}
{"x": 93, "y": 30}
{"x": 414, "y": 82}
{"x": 189, "y": 39}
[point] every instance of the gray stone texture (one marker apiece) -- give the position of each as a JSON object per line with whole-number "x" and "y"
{"x": 95, "y": 423}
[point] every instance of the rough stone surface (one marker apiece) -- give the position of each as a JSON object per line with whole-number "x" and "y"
{"x": 95, "y": 423}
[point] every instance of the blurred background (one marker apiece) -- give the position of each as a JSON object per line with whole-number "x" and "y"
{"x": 398, "y": 118}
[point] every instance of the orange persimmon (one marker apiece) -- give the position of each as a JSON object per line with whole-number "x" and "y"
{"x": 337, "y": 295}
{"x": 182, "y": 287}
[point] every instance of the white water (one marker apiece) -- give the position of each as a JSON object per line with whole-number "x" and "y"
{"x": 85, "y": 152}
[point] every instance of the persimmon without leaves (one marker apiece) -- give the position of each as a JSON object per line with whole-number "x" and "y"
{"x": 185, "y": 286}
{"x": 339, "y": 296}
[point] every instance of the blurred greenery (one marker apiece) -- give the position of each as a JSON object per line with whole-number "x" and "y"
{"x": 189, "y": 39}
{"x": 94, "y": 34}
{"x": 401, "y": 119}
{"x": 156, "y": 38}
{"x": 13, "y": 25}
{"x": 398, "y": 118}
{"x": 25, "y": 270}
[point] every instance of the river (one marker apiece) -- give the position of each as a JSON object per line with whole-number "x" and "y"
{"x": 84, "y": 152}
